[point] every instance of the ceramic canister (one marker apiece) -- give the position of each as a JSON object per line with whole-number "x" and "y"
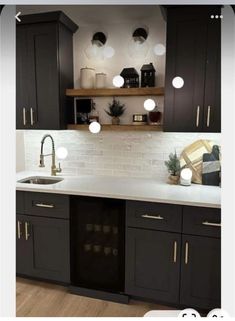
{"x": 87, "y": 78}
{"x": 100, "y": 80}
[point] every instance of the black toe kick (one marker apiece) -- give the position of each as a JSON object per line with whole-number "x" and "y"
{"x": 101, "y": 295}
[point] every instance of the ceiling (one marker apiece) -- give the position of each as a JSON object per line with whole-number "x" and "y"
{"x": 99, "y": 14}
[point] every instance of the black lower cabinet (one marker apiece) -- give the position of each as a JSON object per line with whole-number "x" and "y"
{"x": 114, "y": 249}
{"x": 42, "y": 248}
{"x": 153, "y": 265}
{"x": 201, "y": 272}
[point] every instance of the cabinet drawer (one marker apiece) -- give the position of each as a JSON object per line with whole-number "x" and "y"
{"x": 154, "y": 216}
{"x": 202, "y": 221}
{"x": 49, "y": 205}
{"x": 19, "y": 202}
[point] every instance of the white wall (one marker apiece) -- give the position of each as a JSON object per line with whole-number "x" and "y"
{"x": 20, "y": 151}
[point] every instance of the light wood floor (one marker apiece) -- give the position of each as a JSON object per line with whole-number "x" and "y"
{"x": 38, "y": 299}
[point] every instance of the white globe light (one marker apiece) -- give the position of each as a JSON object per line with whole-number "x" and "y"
{"x": 149, "y": 104}
{"x": 94, "y": 127}
{"x": 178, "y": 82}
{"x": 61, "y": 152}
{"x": 159, "y": 49}
{"x": 118, "y": 81}
{"x": 108, "y": 52}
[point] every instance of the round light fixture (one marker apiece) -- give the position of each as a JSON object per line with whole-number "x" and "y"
{"x": 118, "y": 81}
{"x": 178, "y": 82}
{"x": 140, "y": 35}
{"x": 99, "y": 39}
{"x": 149, "y": 104}
{"x": 94, "y": 127}
{"x": 61, "y": 152}
{"x": 108, "y": 52}
{"x": 159, "y": 49}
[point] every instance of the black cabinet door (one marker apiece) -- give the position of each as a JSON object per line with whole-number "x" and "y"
{"x": 43, "y": 76}
{"x": 22, "y": 84}
{"x": 212, "y": 100}
{"x": 193, "y": 53}
{"x": 153, "y": 264}
{"x": 43, "y": 249}
{"x": 23, "y": 248}
{"x": 200, "y": 272}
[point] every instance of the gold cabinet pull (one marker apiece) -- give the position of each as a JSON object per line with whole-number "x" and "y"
{"x": 24, "y": 117}
{"x": 186, "y": 253}
{"x": 27, "y": 235}
{"x": 45, "y": 205}
{"x": 155, "y": 217}
{"x": 208, "y": 116}
{"x": 31, "y": 117}
{"x": 211, "y": 224}
{"x": 175, "y": 252}
{"x": 19, "y": 233}
{"x": 198, "y": 116}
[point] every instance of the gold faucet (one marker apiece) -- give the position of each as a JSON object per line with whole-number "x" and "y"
{"x": 54, "y": 169}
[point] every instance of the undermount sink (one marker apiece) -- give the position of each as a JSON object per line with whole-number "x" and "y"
{"x": 41, "y": 180}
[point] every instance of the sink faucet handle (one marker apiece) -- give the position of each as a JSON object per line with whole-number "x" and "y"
{"x": 41, "y": 161}
{"x": 59, "y": 169}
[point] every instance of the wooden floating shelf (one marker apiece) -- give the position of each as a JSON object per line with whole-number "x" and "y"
{"x": 120, "y": 127}
{"x": 147, "y": 91}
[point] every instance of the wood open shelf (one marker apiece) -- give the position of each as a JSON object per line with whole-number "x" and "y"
{"x": 119, "y": 127}
{"x": 147, "y": 91}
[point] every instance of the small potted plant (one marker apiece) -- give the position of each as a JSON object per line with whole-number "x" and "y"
{"x": 173, "y": 167}
{"x": 116, "y": 109}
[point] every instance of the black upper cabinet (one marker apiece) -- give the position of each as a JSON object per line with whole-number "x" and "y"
{"x": 193, "y": 53}
{"x": 44, "y": 69}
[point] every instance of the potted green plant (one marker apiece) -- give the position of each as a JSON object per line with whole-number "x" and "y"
{"x": 116, "y": 109}
{"x": 173, "y": 167}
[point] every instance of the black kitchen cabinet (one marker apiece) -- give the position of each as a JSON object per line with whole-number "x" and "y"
{"x": 153, "y": 264}
{"x": 193, "y": 53}
{"x": 42, "y": 248}
{"x": 173, "y": 263}
{"x": 201, "y": 272}
{"x": 114, "y": 249}
{"x": 44, "y": 69}
{"x": 43, "y": 236}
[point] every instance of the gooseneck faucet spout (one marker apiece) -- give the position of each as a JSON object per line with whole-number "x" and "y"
{"x": 54, "y": 169}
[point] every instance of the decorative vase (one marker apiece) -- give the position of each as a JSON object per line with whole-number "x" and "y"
{"x": 173, "y": 180}
{"x": 155, "y": 117}
{"x": 87, "y": 78}
{"x": 115, "y": 120}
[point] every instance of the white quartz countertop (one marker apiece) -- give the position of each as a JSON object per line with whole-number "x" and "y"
{"x": 138, "y": 189}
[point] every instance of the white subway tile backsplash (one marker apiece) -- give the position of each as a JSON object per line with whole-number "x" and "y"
{"x": 129, "y": 154}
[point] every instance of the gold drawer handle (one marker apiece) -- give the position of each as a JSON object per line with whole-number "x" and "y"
{"x": 158, "y": 217}
{"x": 27, "y": 235}
{"x": 175, "y": 252}
{"x": 186, "y": 253}
{"x": 211, "y": 224}
{"x": 19, "y": 233}
{"x": 45, "y": 205}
